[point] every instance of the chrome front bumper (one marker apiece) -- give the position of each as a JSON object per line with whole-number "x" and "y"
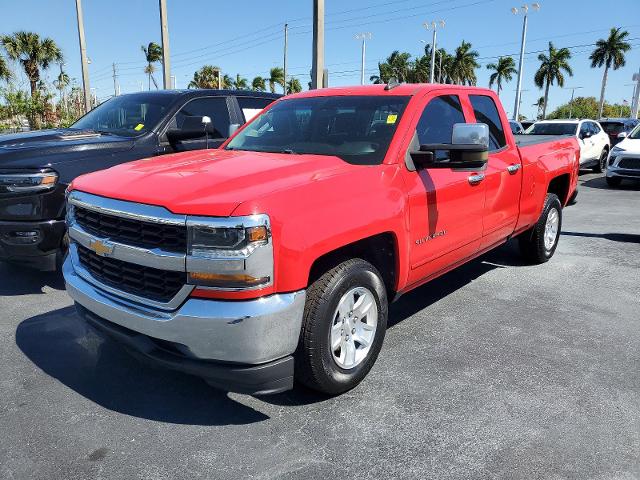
{"x": 248, "y": 332}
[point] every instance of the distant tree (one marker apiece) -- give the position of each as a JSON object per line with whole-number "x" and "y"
{"x": 227, "y": 82}
{"x": 293, "y": 85}
{"x": 276, "y": 77}
{"x": 5, "y": 71}
{"x": 588, "y": 107}
{"x": 258, "y": 84}
{"x": 61, "y": 83}
{"x": 463, "y": 65}
{"x": 206, "y": 77}
{"x": 550, "y": 71}
{"x": 240, "y": 83}
{"x": 540, "y": 105}
{"x": 503, "y": 71}
{"x": 420, "y": 69}
{"x": 152, "y": 55}
{"x": 33, "y": 53}
{"x": 610, "y": 53}
{"x": 397, "y": 65}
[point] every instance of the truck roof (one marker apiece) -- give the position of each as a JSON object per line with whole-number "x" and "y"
{"x": 402, "y": 89}
{"x": 197, "y": 92}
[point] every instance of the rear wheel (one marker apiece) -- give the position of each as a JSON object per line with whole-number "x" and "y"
{"x": 344, "y": 324}
{"x": 614, "y": 181}
{"x": 601, "y": 166}
{"x": 539, "y": 243}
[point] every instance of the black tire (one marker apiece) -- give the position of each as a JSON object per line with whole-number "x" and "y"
{"x": 614, "y": 181}
{"x": 532, "y": 242}
{"x": 315, "y": 366}
{"x": 601, "y": 166}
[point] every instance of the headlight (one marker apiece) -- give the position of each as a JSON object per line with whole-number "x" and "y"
{"x": 230, "y": 253}
{"x": 27, "y": 182}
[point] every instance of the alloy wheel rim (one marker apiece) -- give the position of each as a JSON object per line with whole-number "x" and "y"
{"x": 551, "y": 229}
{"x": 353, "y": 328}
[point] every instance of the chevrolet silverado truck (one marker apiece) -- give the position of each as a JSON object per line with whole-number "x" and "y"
{"x": 274, "y": 258}
{"x": 36, "y": 167}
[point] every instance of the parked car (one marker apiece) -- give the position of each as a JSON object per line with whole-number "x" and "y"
{"x": 618, "y": 128}
{"x": 593, "y": 141}
{"x": 624, "y": 159}
{"x": 36, "y": 167}
{"x": 516, "y": 127}
{"x": 276, "y": 256}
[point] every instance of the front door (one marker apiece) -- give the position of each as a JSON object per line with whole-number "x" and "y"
{"x": 445, "y": 207}
{"x": 503, "y": 176}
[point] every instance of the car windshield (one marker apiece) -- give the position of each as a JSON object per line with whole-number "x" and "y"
{"x": 612, "y": 127}
{"x": 635, "y": 133}
{"x": 127, "y": 116}
{"x": 552, "y": 129}
{"x": 357, "y": 129}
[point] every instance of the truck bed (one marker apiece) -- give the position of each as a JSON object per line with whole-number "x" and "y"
{"x": 527, "y": 140}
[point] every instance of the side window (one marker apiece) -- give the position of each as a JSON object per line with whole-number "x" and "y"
{"x": 213, "y": 107}
{"x": 486, "y": 111}
{"x": 584, "y": 128}
{"x": 437, "y": 120}
{"x": 252, "y": 106}
{"x": 595, "y": 128}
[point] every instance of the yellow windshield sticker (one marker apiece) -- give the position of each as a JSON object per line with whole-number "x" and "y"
{"x": 392, "y": 117}
{"x": 139, "y": 127}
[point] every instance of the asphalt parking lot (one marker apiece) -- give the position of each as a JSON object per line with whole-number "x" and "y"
{"x": 497, "y": 370}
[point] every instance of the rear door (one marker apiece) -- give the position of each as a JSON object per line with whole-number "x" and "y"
{"x": 503, "y": 176}
{"x": 586, "y": 141}
{"x": 445, "y": 208}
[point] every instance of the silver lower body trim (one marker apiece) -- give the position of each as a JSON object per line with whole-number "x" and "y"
{"x": 250, "y": 331}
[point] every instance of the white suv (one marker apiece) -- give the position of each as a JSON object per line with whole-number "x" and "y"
{"x": 593, "y": 140}
{"x": 624, "y": 161}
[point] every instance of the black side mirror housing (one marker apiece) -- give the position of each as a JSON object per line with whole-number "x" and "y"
{"x": 469, "y": 156}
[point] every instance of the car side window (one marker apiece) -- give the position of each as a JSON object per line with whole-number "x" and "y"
{"x": 437, "y": 121}
{"x": 486, "y": 111}
{"x": 212, "y": 107}
{"x": 584, "y": 128}
{"x": 252, "y": 106}
{"x": 595, "y": 128}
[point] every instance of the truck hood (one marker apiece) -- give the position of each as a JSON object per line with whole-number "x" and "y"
{"x": 44, "y": 148}
{"x": 210, "y": 183}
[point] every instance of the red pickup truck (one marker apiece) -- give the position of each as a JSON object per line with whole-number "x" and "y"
{"x": 274, "y": 258}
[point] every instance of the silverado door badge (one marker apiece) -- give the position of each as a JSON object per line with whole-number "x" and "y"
{"x": 422, "y": 240}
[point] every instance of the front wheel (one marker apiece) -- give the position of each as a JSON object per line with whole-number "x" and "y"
{"x": 601, "y": 166}
{"x": 539, "y": 243}
{"x": 345, "y": 320}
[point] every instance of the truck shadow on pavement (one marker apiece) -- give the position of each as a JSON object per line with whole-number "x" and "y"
{"x": 60, "y": 344}
{"x": 614, "y": 237}
{"x": 17, "y": 280}
{"x": 601, "y": 183}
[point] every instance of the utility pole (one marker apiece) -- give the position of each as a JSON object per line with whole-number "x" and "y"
{"x": 364, "y": 36}
{"x": 317, "y": 67}
{"x": 286, "y": 40}
{"x": 635, "y": 105}
{"x": 166, "y": 61}
{"x": 83, "y": 58}
{"x": 525, "y": 11}
{"x": 434, "y": 26}
{"x": 573, "y": 91}
{"x": 115, "y": 80}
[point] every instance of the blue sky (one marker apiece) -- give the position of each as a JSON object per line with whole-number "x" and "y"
{"x": 247, "y": 37}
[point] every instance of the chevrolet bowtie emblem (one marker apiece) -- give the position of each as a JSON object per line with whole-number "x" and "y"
{"x": 104, "y": 249}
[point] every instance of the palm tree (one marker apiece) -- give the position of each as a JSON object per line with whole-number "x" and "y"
{"x": 420, "y": 68}
{"x": 502, "y": 71}
{"x": 276, "y": 77}
{"x": 33, "y": 53}
{"x": 293, "y": 85}
{"x": 396, "y": 66}
{"x": 259, "y": 84}
{"x": 61, "y": 82}
{"x": 227, "y": 82}
{"x": 152, "y": 54}
{"x": 540, "y": 105}
{"x": 240, "y": 83}
{"x": 463, "y": 65}
{"x": 610, "y": 53}
{"x": 550, "y": 70}
{"x": 206, "y": 77}
{"x": 5, "y": 72}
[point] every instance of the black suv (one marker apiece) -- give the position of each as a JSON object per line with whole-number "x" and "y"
{"x": 615, "y": 126}
{"x": 36, "y": 167}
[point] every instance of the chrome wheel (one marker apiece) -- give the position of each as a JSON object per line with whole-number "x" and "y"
{"x": 354, "y": 327}
{"x": 551, "y": 229}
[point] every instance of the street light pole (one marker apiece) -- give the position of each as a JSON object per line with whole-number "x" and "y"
{"x": 166, "y": 61}
{"x": 433, "y": 25}
{"x": 525, "y": 11}
{"x": 364, "y": 36}
{"x": 83, "y": 58}
{"x": 317, "y": 67}
{"x": 573, "y": 91}
{"x": 286, "y": 41}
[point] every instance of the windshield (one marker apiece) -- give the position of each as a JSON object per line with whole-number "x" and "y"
{"x": 127, "y": 116}
{"x": 612, "y": 127}
{"x": 635, "y": 133}
{"x": 552, "y": 129}
{"x": 358, "y": 129}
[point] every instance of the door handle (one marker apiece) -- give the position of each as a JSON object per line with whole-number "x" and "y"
{"x": 512, "y": 169}
{"x": 476, "y": 179}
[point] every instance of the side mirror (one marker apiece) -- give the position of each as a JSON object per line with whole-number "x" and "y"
{"x": 586, "y": 134}
{"x": 233, "y": 127}
{"x": 622, "y": 135}
{"x": 469, "y": 148}
{"x": 192, "y": 127}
